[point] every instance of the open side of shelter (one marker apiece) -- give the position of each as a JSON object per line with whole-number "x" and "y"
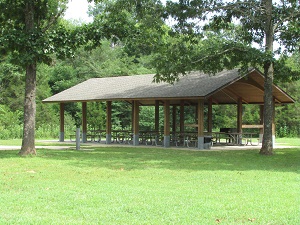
{"x": 195, "y": 89}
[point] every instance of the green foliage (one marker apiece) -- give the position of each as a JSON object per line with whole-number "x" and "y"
{"x": 61, "y": 78}
{"x": 138, "y": 25}
{"x": 25, "y": 29}
{"x": 182, "y": 53}
{"x": 147, "y": 118}
{"x": 46, "y": 34}
{"x": 11, "y": 85}
{"x": 288, "y": 116}
{"x": 10, "y": 123}
{"x": 214, "y": 35}
{"x": 121, "y": 115}
{"x": 96, "y": 115}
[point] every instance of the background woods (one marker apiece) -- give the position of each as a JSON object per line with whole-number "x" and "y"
{"x": 110, "y": 61}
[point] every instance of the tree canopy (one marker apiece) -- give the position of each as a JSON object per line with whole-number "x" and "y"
{"x": 217, "y": 35}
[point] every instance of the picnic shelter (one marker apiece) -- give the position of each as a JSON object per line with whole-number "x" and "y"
{"x": 194, "y": 89}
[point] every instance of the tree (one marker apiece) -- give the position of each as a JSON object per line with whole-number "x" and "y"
{"x": 31, "y": 31}
{"x": 214, "y": 35}
{"x": 24, "y": 25}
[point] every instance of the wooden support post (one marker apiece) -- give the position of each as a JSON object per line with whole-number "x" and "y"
{"x": 196, "y": 117}
{"x": 174, "y": 115}
{"x": 167, "y": 123}
{"x": 209, "y": 116}
{"x": 239, "y": 119}
{"x": 132, "y": 117}
{"x": 62, "y": 122}
{"x": 84, "y": 122}
{"x": 136, "y": 119}
{"x": 157, "y": 116}
{"x": 239, "y": 115}
{"x": 181, "y": 122}
{"x": 200, "y": 124}
{"x": 108, "y": 122}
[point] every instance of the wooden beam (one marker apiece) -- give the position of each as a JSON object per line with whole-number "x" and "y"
{"x": 108, "y": 122}
{"x": 174, "y": 116}
{"x": 200, "y": 118}
{"x": 214, "y": 101}
{"x": 84, "y": 122}
{"x": 230, "y": 95}
{"x": 252, "y": 82}
{"x": 156, "y": 116}
{"x": 167, "y": 124}
{"x": 250, "y": 126}
{"x": 167, "y": 118}
{"x": 189, "y": 103}
{"x": 200, "y": 124}
{"x": 209, "y": 116}
{"x": 136, "y": 118}
{"x": 237, "y": 95}
{"x": 277, "y": 100}
{"x": 62, "y": 122}
{"x": 132, "y": 117}
{"x": 181, "y": 122}
{"x": 196, "y": 113}
{"x": 239, "y": 115}
{"x": 233, "y": 95}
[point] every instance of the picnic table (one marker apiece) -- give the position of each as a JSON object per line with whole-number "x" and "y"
{"x": 233, "y": 138}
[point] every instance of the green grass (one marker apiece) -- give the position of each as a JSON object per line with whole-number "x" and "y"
{"x": 150, "y": 186}
{"x": 18, "y": 142}
{"x": 11, "y": 142}
{"x": 288, "y": 141}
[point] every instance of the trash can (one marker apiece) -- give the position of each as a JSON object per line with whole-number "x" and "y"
{"x": 207, "y": 142}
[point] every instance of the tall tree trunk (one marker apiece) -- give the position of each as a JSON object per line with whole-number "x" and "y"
{"x": 267, "y": 144}
{"x": 28, "y": 143}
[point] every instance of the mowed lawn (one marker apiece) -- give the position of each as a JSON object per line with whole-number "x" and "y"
{"x": 117, "y": 185}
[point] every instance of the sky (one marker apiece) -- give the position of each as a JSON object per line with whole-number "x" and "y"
{"x": 77, "y": 10}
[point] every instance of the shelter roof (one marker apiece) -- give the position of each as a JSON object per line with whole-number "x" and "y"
{"x": 225, "y": 87}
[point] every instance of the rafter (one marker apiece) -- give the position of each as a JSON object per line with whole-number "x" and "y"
{"x": 237, "y": 95}
{"x": 252, "y": 82}
{"x": 229, "y": 94}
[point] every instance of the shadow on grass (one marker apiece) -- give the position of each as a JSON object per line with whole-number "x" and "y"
{"x": 284, "y": 160}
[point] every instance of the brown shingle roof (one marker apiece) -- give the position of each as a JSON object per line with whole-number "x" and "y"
{"x": 141, "y": 87}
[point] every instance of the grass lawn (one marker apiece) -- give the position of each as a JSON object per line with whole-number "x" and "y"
{"x": 114, "y": 185}
{"x": 18, "y": 142}
{"x": 288, "y": 141}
